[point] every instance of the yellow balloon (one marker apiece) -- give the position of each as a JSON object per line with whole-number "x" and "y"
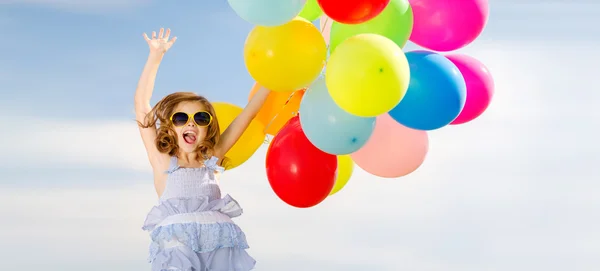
{"x": 250, "y": 140}
{"x": 286, "y": 57}
{"x": 367, "y": 75}
{"x": 344, "y": 172}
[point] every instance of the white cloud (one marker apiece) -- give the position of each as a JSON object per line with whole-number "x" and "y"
{"x": 74, "y": 142}
{"x": 514, "y": 190}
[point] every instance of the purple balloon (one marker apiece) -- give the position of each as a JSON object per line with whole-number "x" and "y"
{"x": 447, "y": 25}
{"x": 480, "y": 87}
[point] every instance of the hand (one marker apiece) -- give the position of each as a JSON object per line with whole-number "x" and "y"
{"x": 161, "y": 44}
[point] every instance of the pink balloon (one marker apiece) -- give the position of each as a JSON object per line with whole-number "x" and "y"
{"x": 480, "y": 87}
{"x": 392, "y": 150}
{"x": 447, "y": 25}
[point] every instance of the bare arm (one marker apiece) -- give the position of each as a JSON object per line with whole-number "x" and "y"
{"x": 145, "y": 86}
{"x": 241, "y": 122}
{"x": 143, "y": 94}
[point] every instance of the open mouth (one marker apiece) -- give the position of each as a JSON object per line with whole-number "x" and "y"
{"x": 189, "y": 137}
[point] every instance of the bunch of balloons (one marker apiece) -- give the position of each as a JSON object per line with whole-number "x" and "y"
{"x": 347, "y": 93}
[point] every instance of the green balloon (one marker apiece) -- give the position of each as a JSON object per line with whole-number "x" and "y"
{"x": 311, "y": 10}
{"x": 394, "y": 22}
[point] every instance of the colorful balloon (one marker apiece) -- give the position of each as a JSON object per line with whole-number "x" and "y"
{"x": 267, "y": 12}
{"x": 344, "y": 172}
{"x": 393, "y": 150}
{"x": 299, "y": 173}
{"x": 250, "y": 140}
{"x": 352, "y": 11}
{"x": 436, "y": 94}
{"x": 367, "y": 75}
{"x": 287, "y": 57}
{"x": 448, "y": 25}
{"x": 278, "y": 108}
{"x": 327, "y": 126}
{"x": 480, "y": 87}
{"x": 395, "y": 23}
{"x": 311, "y": 10}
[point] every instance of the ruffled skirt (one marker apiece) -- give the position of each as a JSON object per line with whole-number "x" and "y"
{"x": 193, "y": 234}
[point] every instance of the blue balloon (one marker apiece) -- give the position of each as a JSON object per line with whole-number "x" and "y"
{"x": 436, "y": 93}
{"x": 267, "y": 12}
{"x": 329, "y": 127}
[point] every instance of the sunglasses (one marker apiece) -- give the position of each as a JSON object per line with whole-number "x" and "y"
{"x": 201, "y": 118}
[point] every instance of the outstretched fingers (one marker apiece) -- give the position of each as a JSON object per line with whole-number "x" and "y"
{"x": 167, "y": 34}
{"x": 163, "y": 37}
{"x": 173, "y": 40}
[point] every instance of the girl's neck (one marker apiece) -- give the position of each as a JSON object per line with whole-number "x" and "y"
{"x": 188, "y": 158}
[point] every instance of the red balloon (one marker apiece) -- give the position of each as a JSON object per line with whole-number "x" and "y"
{"x": 352, "y": 11}
{"x": 299, "y": 173}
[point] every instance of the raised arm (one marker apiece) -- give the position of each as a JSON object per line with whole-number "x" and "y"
{"x": 158, "y": 47}
{"x": 241, "y": 122}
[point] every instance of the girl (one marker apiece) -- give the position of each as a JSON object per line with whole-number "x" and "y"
{"x": 191, "y": 227}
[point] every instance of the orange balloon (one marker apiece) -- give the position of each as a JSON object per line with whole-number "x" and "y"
{"x": 278, "y": 108}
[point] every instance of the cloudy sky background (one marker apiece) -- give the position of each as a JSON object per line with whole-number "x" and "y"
{"x": 515, "y": 190}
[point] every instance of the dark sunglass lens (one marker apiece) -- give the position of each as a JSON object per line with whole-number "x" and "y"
{"x": 180, "y": 119}
{"x": 202, "y": 118}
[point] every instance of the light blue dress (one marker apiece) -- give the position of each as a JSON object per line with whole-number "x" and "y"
{"x": 191, "y": 227}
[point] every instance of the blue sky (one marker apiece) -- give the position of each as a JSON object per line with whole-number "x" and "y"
{"x": 88, "y": 61}
{"x": 514, "y": 190}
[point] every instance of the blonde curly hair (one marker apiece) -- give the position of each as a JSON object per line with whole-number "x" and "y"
{"x": 166, "y": 137}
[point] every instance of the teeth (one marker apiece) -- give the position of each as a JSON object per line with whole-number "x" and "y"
{"x": 189, "y": 132}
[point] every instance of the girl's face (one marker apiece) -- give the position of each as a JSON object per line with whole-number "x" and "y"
{"x": 190, "y": 121}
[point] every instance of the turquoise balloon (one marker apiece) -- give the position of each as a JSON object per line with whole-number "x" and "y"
{"x": 327, "y": 126}
{"x": 436, "y": 94}
{"x": 267, "y": 12}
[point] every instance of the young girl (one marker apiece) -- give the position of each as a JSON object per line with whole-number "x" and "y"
{"x": 191, "y": 227}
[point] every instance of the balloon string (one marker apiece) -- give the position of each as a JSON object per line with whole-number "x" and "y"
{"x": 279, "y": 112}
{"x": 328, "y": 43}
{"x": 324, "y": 25}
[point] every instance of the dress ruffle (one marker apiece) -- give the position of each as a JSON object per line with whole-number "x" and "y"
{"x": 184, "y": 259}
{"x": 190, "y": 233}
{"x": 226, "y": 205}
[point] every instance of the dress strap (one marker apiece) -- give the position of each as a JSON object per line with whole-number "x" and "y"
{"x": 173, "y": 165}
{"x": 211, "y": 163}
